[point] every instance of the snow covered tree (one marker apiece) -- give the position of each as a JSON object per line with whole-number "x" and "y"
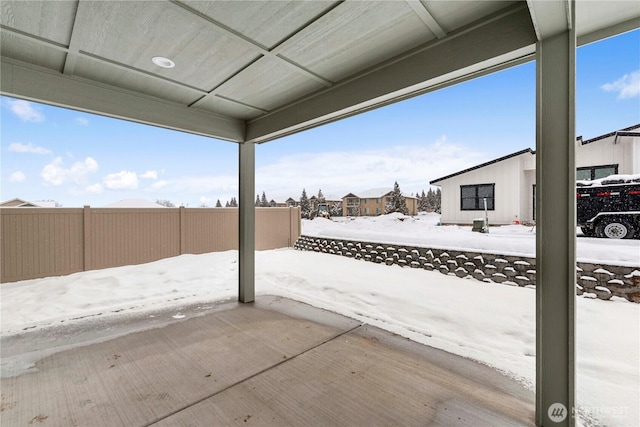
{"x": 397, "y": 202}
{"x": 263, "y": 201}
{"x": 422, "y": 202}
{"x": 227, "y": 204}
{"x": 438, "y": 201}
{"x": 335, "y": 209}
{"x": 321, "y": 198}
{"x": 257, "y": 200}
{"x": 218, "y": 204}
{"x": 431, "y": 200}
{"x": 305, "y": 206}
{"x": 233, "y": 203}
{"x": 165, "y": 203}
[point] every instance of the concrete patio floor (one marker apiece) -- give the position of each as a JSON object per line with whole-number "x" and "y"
{"x": 274, "y": 362}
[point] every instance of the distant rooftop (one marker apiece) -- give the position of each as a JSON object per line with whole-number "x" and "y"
{"x": 134, "y": 203}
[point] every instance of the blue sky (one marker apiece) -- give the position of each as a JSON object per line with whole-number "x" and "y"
{"x": 78, "y": 159}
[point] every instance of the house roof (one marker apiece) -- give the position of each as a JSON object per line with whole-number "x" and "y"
{"x": 133, "y": 203}
{"x": 630, "y": 131}
{"x": 20, "y": 203}
{"x": 517, "y": 153}
{"x": 256, "y": 71}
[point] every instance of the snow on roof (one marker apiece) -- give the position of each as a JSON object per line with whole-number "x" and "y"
{"x": 133, "y": 203}
{"x": 20, "y": 203}
{"x": 609, "y": 180}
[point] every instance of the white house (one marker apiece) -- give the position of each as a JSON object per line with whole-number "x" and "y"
{"x": 509, "y": 183}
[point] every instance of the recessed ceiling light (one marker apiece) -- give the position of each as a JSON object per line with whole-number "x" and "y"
{"x": 163, "y": 62}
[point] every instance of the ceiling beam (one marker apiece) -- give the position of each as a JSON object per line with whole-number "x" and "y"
{"x": 507, "y": 36}
{"x": 26, "y": 81}
{"x": 74, "y": 41}
{"x": 423, "y": 13}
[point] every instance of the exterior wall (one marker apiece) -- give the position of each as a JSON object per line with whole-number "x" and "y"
{"x": 412, "y": 205}
{"x": 625, "y": 152}
{"x": 509, "y": 180}
{"x": 42, "y": 242}
{"x": 372, "y": 206}
{"x": 515, "y": 179}
{"x": 350, "y": 205}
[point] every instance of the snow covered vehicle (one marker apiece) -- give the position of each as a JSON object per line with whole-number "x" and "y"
{"x": 609, "y": 207}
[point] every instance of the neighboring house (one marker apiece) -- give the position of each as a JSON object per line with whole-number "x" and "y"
{"x": 329, "y": 199}
{"x": 372, "y": 202}
{"x": 509, "y": 183}
{"x": 19, "y": 203}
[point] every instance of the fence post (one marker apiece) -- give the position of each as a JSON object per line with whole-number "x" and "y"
{"x": 182, "y": 222}
{"x": 86, "y": 221}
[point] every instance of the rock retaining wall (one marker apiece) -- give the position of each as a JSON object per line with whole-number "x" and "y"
{"x": 601, "y": 281}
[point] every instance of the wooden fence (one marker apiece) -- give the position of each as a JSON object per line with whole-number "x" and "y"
{"x": 42, "y": 242}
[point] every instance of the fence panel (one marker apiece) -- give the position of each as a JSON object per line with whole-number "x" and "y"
{"x": 126, "y": 236}
{"x": 40, "y": 242}
{"x": 209, "y": 230}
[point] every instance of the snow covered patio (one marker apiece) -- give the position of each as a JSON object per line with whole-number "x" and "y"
{"x": 272, "y": 362}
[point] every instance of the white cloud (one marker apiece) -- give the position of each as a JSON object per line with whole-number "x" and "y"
{"x": 82, "y": 121}
{"x": 206, "y": 201}
{"x": 94, "y": 189}
{"x": 56, "y": 174}
{"x": 123, "y": 180}
{"x": 149, "y": 175}
{"x": 19, "y": 147}
{"x": 627, "y": 86}
{"x": 338, "y": 173}
{"x": 25, "y": 110}
{"x": 197, "y": 184}
{"x": 17, "y": 177}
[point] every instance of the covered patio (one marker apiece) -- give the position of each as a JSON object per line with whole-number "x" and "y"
{"x": 275, "y": 362}
{"x": 252, "y": 72}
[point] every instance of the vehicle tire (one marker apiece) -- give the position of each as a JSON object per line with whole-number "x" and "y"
{"x": 588, "y": 232}
{"x": 615, "y": 229}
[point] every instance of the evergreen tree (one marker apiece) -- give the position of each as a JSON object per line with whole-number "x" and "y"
{"x": 422, "y": 202}
{"x": 233, "y": 203}
{"x": 263, "y": 201}
{"x": 397, "y": 203}
{"x": 227, "y": 204}
{"x": 335, "y": 209}
{"x": 431, "y": 200}
{"x": 305, "y": 207}
{"x": 321, "y": 198}
{"x": 438, "y": 201}
{"x": 257, "y": 200}
{"x": 218, "y": 204}
{"x": 165, "y": 203}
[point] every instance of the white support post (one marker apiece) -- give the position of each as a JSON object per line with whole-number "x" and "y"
{"x": 556, "y": 229}
{"x": 247, "y": 223}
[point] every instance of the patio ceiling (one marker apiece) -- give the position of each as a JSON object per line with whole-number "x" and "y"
{"x": 258, "y": 70}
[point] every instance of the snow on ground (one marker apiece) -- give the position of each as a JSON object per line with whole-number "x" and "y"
{"x": 423, "y": 230}
{"x": 491, "y": 323}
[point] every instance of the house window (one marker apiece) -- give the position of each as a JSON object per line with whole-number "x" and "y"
{"x": 596, "y": 172}
{"x": 378, "y": 201}
{"x": 472, "y": 197}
